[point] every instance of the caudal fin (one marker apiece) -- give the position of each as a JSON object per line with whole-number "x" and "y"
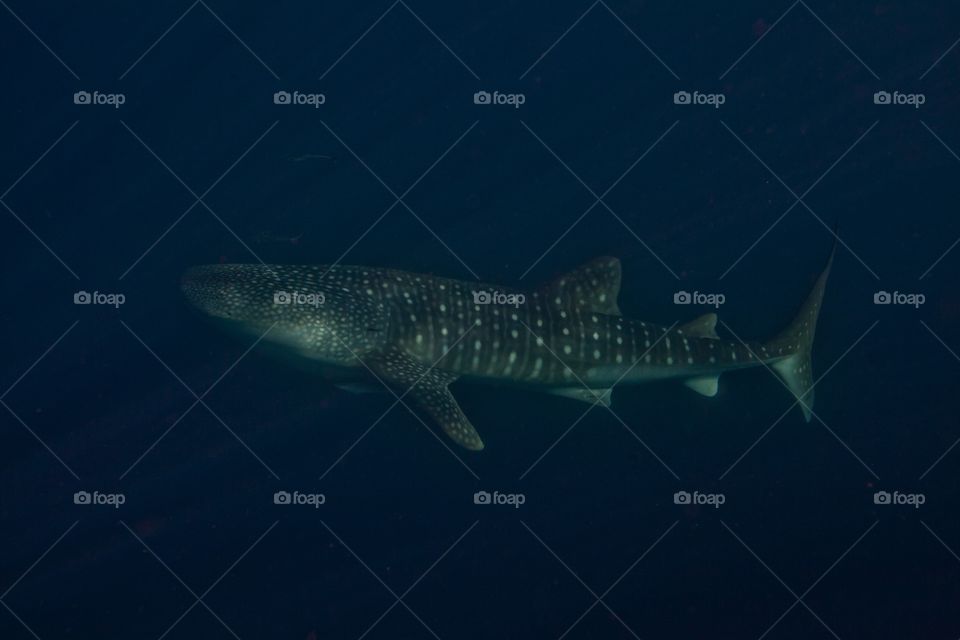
{"x": 796, "y": 370}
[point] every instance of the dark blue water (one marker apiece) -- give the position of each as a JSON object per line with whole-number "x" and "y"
{"x": 198, "y": 165}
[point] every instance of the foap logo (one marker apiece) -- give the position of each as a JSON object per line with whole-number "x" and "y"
{"x": 100, "y": 499}
{"x": 309, "y": 99}
{"x": 96, "y": 98}
{"x": 512, "y": 99}
{"x": 498, "y": 297}
{"x": 909, "y": 299}
{"x": 900, "y": 499}
{"x": 908, "y": 99}
{"x": 111, "y": 299}
{"x": 296, "y": 498}
{"x": 696, "y": 297}
{"x": 298, "y": 298}
{"x": 511, "y": 499}
{"x": 711, "y": 99}
{"x": 696, "y": 498}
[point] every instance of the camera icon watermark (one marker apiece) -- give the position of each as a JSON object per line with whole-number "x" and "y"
{"x": 696, "y": 297}
{"x": 897, "y": 298}
{"x": 696, "y": 498}
{"x": 714, "y": 100}
{"x": 299, "y": 298}
{"x": 514, "y": 500}
{"x": 899, "y": 499}
{"x": 297, "y": 498}
{"x": 498, "y": 297}
{"x": 110, "y": 299}
{"x": 114, "y": 100}
{"x": 497, "y": 98}
{"x": 297, "y": 98}
{"x": 114, "y": 500}
{"x": 896, "y": 98}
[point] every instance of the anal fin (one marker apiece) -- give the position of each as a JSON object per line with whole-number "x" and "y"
{"x": 704, "y": 385}
{"x": 591, "y": 396}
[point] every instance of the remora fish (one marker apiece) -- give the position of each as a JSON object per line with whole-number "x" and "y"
{"x": 418, "y": 333}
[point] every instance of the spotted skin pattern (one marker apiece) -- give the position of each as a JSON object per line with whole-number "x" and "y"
{"x": 419, "y": 332}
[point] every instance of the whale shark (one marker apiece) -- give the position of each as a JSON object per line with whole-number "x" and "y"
{"x": 418, "y": 333}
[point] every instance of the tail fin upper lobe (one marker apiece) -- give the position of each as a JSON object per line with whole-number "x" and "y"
{"x": 797, "y": 370}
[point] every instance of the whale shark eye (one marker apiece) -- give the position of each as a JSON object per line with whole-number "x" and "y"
{"x": 373, "y": 329}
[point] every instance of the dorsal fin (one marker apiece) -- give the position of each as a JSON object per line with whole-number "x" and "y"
{"x": 703, "y": 327}
{"x": 594, "y": 286}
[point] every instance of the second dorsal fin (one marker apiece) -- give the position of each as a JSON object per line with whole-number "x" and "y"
{"x": 703, "y": 327}
{"x": 594, "y": 286}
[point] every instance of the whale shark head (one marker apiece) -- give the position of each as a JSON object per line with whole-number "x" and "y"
{"x": 317, "y": 313}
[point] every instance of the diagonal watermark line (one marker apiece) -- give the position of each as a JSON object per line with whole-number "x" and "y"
{"x": 40, "y": 40}
{"x": 357, "y": 41}
{"x": 38, "y": 560}
{"x": 39, "y": 439}
{"x": 940, "y": 59}
{"x": 198, "y": 599}
{"x": 399, "y": 199}
{"x": 800, "y": 400}
{"x": 615, "y": 17}
{"x": 239, "y": 39}
{"x": 798, "y": 599}
{"x": 398, "y": 399}
{"x": 940, "y": 540}
{"x": 20, "y": 620}
{"x": 24, "y": 574}
{"x": 38, "y": 360}
{"x": 40, "y": 240}
{"x": 599, "y": 199}
{"x": 39, "y": 159}
{"x": 157, "y": 41}
{"x": 17, "y": 181}
{"x": 598, "y": 400}
{"x": 557, "y": 41}
{"x": 398, "y": 599}
{"x": 757, "y": 41}
{"x": 639, "y": 39}
{"x": 198, "y": 199}
{"x": 957, "y": 358}
{"x": 618, "y": 580}
{"x": 799, "y": 199}
{"x": 839, "y": 39}
{"x": 198, "y": 399}
{"x": 957, "y": 241}
{"x": 218, "y": 19}
{"x": 438, "y": 39}
{"x": 597, "y": 599}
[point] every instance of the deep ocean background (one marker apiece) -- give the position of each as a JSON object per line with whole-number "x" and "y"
{"x": 302, "y": 185}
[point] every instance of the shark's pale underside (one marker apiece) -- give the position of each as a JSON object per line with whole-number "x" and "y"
{"x": 418, "y": 333}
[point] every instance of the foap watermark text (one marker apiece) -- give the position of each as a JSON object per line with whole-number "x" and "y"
{"x": 297, "y": 498}
{"x": 898, "y": 498}
{"x": 114, "y": 100}
{"x": 299, "y": 298}
{"x": 110, "y": 299}
{"x": 496, "y": 498}
{"x": 697, "y": 498}
{"x": 908, "y": 99}
{"x": 299, "y": 98}
{"x": 99, "y": 499}
{"x": 511, "y": 99}
{"x": 697, "y": 297}
{"x": 498, "y": 297}
{"x": 710, "y": 99}
{"x": 909, "y": 299}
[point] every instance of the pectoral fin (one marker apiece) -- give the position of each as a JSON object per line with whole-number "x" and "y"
{"x": 427, "y": 389}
